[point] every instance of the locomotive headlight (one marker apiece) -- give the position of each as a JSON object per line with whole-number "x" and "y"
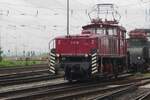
{"x": 86, "y": 55}
{"x": 138, "y": 57}
{"x": 57, "y": 55}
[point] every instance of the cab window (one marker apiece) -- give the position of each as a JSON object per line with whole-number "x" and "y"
{"x": 101, "y": 31}
{"x": 111, "y": 31}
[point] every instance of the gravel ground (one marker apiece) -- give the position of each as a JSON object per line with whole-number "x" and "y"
{"x": 22, "y": 69}
{"x": 133, "y": 94}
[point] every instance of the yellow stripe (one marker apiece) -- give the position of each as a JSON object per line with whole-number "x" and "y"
{"x": 94, "y": 61}
{"x": 52, "y": 71}
{"x": 93, "y": 58}
{"x": 93, "y": 72}
{"x": 94, "y": 54}
{"x": 52, "y": 54}
{"x": 51, "y": 57}
{"x": 52, "y": 64}
{"x": 94, "y": 68}
{"x": 52, "y": 61}
{"x": 52, "y": 68}
{"x": 93, "y": 65}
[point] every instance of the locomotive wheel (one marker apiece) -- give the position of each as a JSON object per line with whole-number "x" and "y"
{"x": 70, "y": 81}
{"x": 116, "y": 76}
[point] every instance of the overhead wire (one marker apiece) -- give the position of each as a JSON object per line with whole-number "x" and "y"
{"x": 78, "y": 18}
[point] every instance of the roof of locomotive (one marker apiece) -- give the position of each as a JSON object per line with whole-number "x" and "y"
{"x": 100, "y": 24}
{"x": 104, "y": 24}
{"x": 140, "y": 30}
{"x": 90, "y": 36}
{"x": 139, "y": 33}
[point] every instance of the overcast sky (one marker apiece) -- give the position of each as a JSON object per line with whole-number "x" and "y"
{"x": 31, "y": 24}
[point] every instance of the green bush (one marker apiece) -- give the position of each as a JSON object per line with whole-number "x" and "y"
{"x": 33, "y": 62}
{"x": 1, "y": 55}
{"x": 8, "y": 63}
{"x": 1, "y": 58}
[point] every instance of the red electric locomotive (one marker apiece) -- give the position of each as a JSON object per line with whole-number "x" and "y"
{"x": 100, "y": 49}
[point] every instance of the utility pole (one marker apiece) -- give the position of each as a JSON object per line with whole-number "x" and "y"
{"x": 67, "y": 17}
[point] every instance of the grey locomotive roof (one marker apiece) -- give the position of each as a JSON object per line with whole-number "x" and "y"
{"x": 141, "y": 30}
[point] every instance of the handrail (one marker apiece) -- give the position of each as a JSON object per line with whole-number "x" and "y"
{"x": 50, "y": 43}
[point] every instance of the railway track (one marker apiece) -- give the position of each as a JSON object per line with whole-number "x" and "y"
{"x": 19, "y": 69}
{"x": 24, "y": 90}
{"x": 116, "y": 93}
{"x": 51, "y": 92}
{"x": 36, "y": 84}
{"x": 65, "y": 90}
{"x": 26, "y": 77}
{"x": 145, "y": 96}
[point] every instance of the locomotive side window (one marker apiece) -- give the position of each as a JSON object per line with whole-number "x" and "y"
{"x": 123, "y": 35}
{"x": 101, "y": 31}
{"x": 111, "y": 31}
{"x": 115, "y": 31}
{"x": 92, "y": 30}
{"x": 148, "y": 36}
{"x": 104, "y": 31}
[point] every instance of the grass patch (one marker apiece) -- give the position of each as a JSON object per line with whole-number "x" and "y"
{"x": 146, "y": 74}
{"x": 7, "y": 63}
{"x": 142, "y": 75}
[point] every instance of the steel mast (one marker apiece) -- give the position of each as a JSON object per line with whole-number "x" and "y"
{"x": 67, "y": 17}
